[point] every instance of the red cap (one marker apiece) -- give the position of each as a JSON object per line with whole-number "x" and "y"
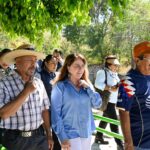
{"x": 141, "y": 48}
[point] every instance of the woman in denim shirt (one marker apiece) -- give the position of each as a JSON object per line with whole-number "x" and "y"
{"x": 72, "y": 100}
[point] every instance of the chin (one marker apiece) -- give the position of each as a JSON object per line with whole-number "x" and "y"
{"x": 78, "y": 77}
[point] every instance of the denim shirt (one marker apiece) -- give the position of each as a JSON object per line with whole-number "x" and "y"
{"x": 72, "y": 110}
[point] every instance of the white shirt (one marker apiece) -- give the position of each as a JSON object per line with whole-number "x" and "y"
{"x": 112, "y": 79}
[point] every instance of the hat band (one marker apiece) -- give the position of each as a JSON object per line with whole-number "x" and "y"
{"x": 28, "y": 48}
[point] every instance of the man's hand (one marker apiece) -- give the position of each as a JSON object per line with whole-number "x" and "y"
{"x": 129, "y": 146}
{"x": 50, "y": 143}
{"x": 30, "y": 86}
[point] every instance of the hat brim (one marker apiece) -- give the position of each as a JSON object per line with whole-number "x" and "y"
{"x": 113, "y": 61}
{"x": 10, "y": 57}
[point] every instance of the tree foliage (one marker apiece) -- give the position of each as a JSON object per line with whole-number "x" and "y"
{"x": 31, "y": 18}
{"x": 110, "y": 34}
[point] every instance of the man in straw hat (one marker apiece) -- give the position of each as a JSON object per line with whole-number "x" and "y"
{"x": 24, "y": 104}
{"x": 134, "y": 101}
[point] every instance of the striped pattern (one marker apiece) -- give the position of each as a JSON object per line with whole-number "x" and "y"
{"x": 29, "y": 115}
{"x": 128, "y": 86}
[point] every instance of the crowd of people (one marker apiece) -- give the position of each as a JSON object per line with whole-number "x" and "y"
{"x": 46, "y": 102}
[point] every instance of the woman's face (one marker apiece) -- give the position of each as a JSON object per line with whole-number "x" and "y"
{"x": 76, "y": 69}
{"x": 113, "y": 67}
{"x": 3, "y": 65}
{"x": 51, "y": 65}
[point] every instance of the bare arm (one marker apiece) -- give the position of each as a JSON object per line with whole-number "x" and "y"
{"x": 12, "y": 107}
{"x": 46, "y": 124}
{"x": 125, "y": 125}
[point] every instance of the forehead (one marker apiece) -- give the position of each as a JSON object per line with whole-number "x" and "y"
{"x": 52, "y": 60}
{"x": 56, "y": 53}
{"x": 147, "y": 55}
{"x": 78, "y": 61}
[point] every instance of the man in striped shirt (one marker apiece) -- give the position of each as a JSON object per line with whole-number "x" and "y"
{"x": 24, "y": 104}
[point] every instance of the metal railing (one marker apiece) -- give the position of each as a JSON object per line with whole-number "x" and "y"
{"x": 108, "y": 120}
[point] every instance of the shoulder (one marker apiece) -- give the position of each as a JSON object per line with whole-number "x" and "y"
{"x": 101, "y": 72}
{"x": 60, "y": 84}
{"x": 9, "y": 77}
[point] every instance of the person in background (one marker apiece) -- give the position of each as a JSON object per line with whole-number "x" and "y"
{"x": 24, "y": 104}
{"x": 5, "y": 69}
{"x": 134, "y": 100}
{"x": 59, "y": 56}
{"x": 111, "y": 68}
{"x": 48, "y": 75}
{"x": 72, "y": 99}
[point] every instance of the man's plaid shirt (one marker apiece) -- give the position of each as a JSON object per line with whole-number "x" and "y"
{"x": 29, "y": 115}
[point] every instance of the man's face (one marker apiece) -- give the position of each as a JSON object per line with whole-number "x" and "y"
{"x": 26, "y": 65}
{"x": 144, "y": 64}
{"x": 57, "y": 55}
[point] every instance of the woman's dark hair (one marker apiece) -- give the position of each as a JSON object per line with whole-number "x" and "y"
{"x": 107, "y": 64}
{"x": 3, "y": 52}
{"x": 68, "y": 62}
{"x": 48, "y": 58}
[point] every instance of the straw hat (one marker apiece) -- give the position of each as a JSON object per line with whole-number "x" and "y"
{"x": 23, "y": 50}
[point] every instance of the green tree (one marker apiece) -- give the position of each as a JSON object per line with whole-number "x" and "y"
{"x": 31, "y": 18}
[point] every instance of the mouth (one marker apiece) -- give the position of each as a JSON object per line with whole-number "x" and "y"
{"x": 79, "y": 74}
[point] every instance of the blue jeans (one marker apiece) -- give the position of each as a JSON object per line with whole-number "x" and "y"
{"x": 16, "y": 142}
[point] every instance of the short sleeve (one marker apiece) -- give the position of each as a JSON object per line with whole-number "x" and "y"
{"x": 126, "y": 94}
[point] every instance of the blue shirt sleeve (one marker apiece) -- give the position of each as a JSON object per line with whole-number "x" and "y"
{"x": 95, "y": 98}
{"x": 56, "y": 106}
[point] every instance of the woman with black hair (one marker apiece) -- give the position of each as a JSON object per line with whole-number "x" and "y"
{"x": 48, "y": 75}
{"x": 4, "y": 68}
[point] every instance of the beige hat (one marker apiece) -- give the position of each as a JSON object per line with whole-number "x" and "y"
{"x": 23, "y": 50}
{"x": 112, "y": 59}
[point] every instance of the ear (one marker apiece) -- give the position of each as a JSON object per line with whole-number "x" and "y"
{"x": 136, "y": 60}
